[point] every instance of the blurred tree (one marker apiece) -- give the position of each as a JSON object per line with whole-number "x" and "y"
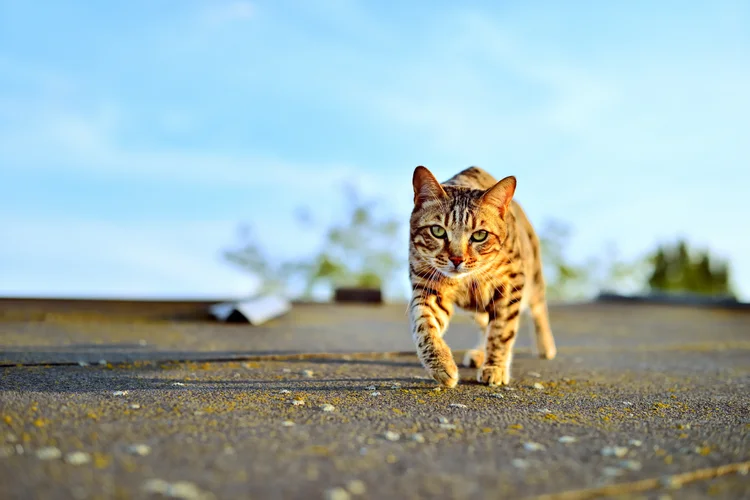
{"x": 675, "y": 268}
{"x": 356, "y": 252}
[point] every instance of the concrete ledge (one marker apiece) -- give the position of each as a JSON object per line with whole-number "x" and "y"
{"x": 692, "y": 300}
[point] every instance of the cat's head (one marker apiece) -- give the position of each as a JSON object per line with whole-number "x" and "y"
{"x": 458, "y": 231}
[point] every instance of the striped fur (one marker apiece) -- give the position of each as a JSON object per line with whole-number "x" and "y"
{"x": 472, "y": 247}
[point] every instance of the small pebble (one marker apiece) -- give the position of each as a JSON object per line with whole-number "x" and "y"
{"x": 307, "y": 373}
{"x": 82, "y": 363}
{"x": 11, "y": 438}
{"x": 297, "y": 402}
{"x": 120, "y": 393}
{"x": 538, "y": 386}
{"x": 567, "y": 439}
{"x": 142, "y": 343}
{"x": 531, "y": 446}
{"x": 288, "y": 423}
{"x": 376, "y": 393}
{"x": 337, "y": 493}
{"x": 670, "y": 482}
{"x": 135, "y": 406}
{"x": 437, "y": 389}
{"x": 496, "y": 395}
{"x": 396, "y": 385}
{"x": 508, "y": 388}
{"x": 286, "y": 370}
{"x": 178, "y": 384}
{"x": 77, "y": 458}
{"x": 614, "y": 451}
{"x": 519, "y": 463}
{"x": 448, "y": 427}
{"x": 48, "y": 453}
{"x": 139, "y": 449}
{"x": 458, "y": 405}
{"x": 611, "y": 471}
{"x": 635, "y": 442}
{"x": 370, "y": 388}
{"x": 285, "y": 391}
{"x": 102, "y": 362}
{"x": 392, "y": 436}
{"x": 634, "y": 465}
{"x": 418, "y": 438}
{"x": 19, "y": 449}
{"x": 327, "y": 407}
{"x": 627, "y": 403}
{"x": 535, "y": 374}
{"x": 356, "y": 487}
{"x": 544, "y": 410}
{"x": 443, "y": 420}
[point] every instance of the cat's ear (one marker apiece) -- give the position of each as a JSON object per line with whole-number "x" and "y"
{"x": 500, "y": 195}
{"x": 426, "y": 187}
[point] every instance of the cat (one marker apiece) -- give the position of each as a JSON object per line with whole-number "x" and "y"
{"x": 472, "y": 246}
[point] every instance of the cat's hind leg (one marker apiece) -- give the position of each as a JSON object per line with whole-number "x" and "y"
{"x": 545, "y": 341}
{"x": 474, "y": 358}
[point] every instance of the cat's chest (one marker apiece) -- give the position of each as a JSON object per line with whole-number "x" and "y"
{"x": 472, "y": 295}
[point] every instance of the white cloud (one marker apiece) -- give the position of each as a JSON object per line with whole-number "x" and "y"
{"x": 64, "y": 256}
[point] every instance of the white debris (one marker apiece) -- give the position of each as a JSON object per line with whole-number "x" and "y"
{"x": 19, "y": 449}
{"x": 538, "y": 386}
{"x": 635, "y": 442}
{"x": 535, "y": 374}
{"x": 48, "y": 453}
{"x": 285, "y": 391}
{"x": 395, "y": 385}
{"x": 370, "y": 388}
{"x": 102, "y": 362}
{"x": 392, "y": 436}
{"x": 337, "y": 493}
{"x": 356, "y": 487}
{"x": 417, "y": 437}
{"x": 288, "y": 423}
{"x": 180, "y": 489}
{"x": 567, "y": 439}
{"x": 120, "y": 393}
{"x": 448, "y": 427}
{"x": 458, "y": 405}
{"x": 139, "y": 449}
{"x": 519, "y": 463}
{"x": 532, "y": 446}
{"x": 374, "y": 394}
{"x": 135, "y": 406}
{"x": 77, "y": 458}
{"x": 443, "y": 420}
{"x": 614, "y": 451}
{"x": 627, "y": 403}
{"x": 83, "y": 363}
{"x": 178, "y": 384}
{"x": 298, "y": 402}
{"x": 307, "y": 373}
{"x": 544, "y": 410}
{"x": 327, "y": 407}
{"x": 286, "y": 370}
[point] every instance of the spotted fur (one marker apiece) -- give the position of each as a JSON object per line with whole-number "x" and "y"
{"x": 472, "y": 246}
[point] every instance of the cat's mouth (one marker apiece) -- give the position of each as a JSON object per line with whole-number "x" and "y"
{"x": 452, "y": 272}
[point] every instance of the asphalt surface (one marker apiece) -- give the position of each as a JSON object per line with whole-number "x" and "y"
{"x": 636, "y": 392}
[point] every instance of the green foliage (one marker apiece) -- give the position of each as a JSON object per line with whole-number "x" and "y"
{"x": 675, "y": 268}
{"x": 355, "y": 252}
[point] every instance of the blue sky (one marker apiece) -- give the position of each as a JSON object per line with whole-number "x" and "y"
{"x": 136, "y": 136}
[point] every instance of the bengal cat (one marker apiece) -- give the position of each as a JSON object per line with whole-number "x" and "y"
{"x": 472, "y": 246}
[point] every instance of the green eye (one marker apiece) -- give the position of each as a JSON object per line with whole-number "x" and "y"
{"x": 438, "y": 231}
{"x": 479, "y": 236}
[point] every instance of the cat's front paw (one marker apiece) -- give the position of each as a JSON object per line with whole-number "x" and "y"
{"x": 494, "y": 375}
{"x": 548, "y": 353}
{"x": 446, "y": 375}
{"x": 474, "y": 358}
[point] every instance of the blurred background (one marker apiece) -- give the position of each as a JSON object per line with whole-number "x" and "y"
{"x": 202, "y": 149}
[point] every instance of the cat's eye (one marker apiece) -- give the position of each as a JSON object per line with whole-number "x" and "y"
{"x": 479, "y": 236}
{"x": 438, "y": 231}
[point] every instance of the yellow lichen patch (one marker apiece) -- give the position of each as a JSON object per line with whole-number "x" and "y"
{"x": 703, "y": 450}
{"x": 668, "y": 459}
{"x": 8, "y": 419}
{"x": 397, "y": 411}
{"x": 486, "y": 430}
{"x": 40, "y": 422}
{"x": 101, "y": 461}
{"x": 515, "y": 426}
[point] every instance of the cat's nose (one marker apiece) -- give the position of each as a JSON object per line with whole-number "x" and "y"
{"x": 456, "y": 260}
